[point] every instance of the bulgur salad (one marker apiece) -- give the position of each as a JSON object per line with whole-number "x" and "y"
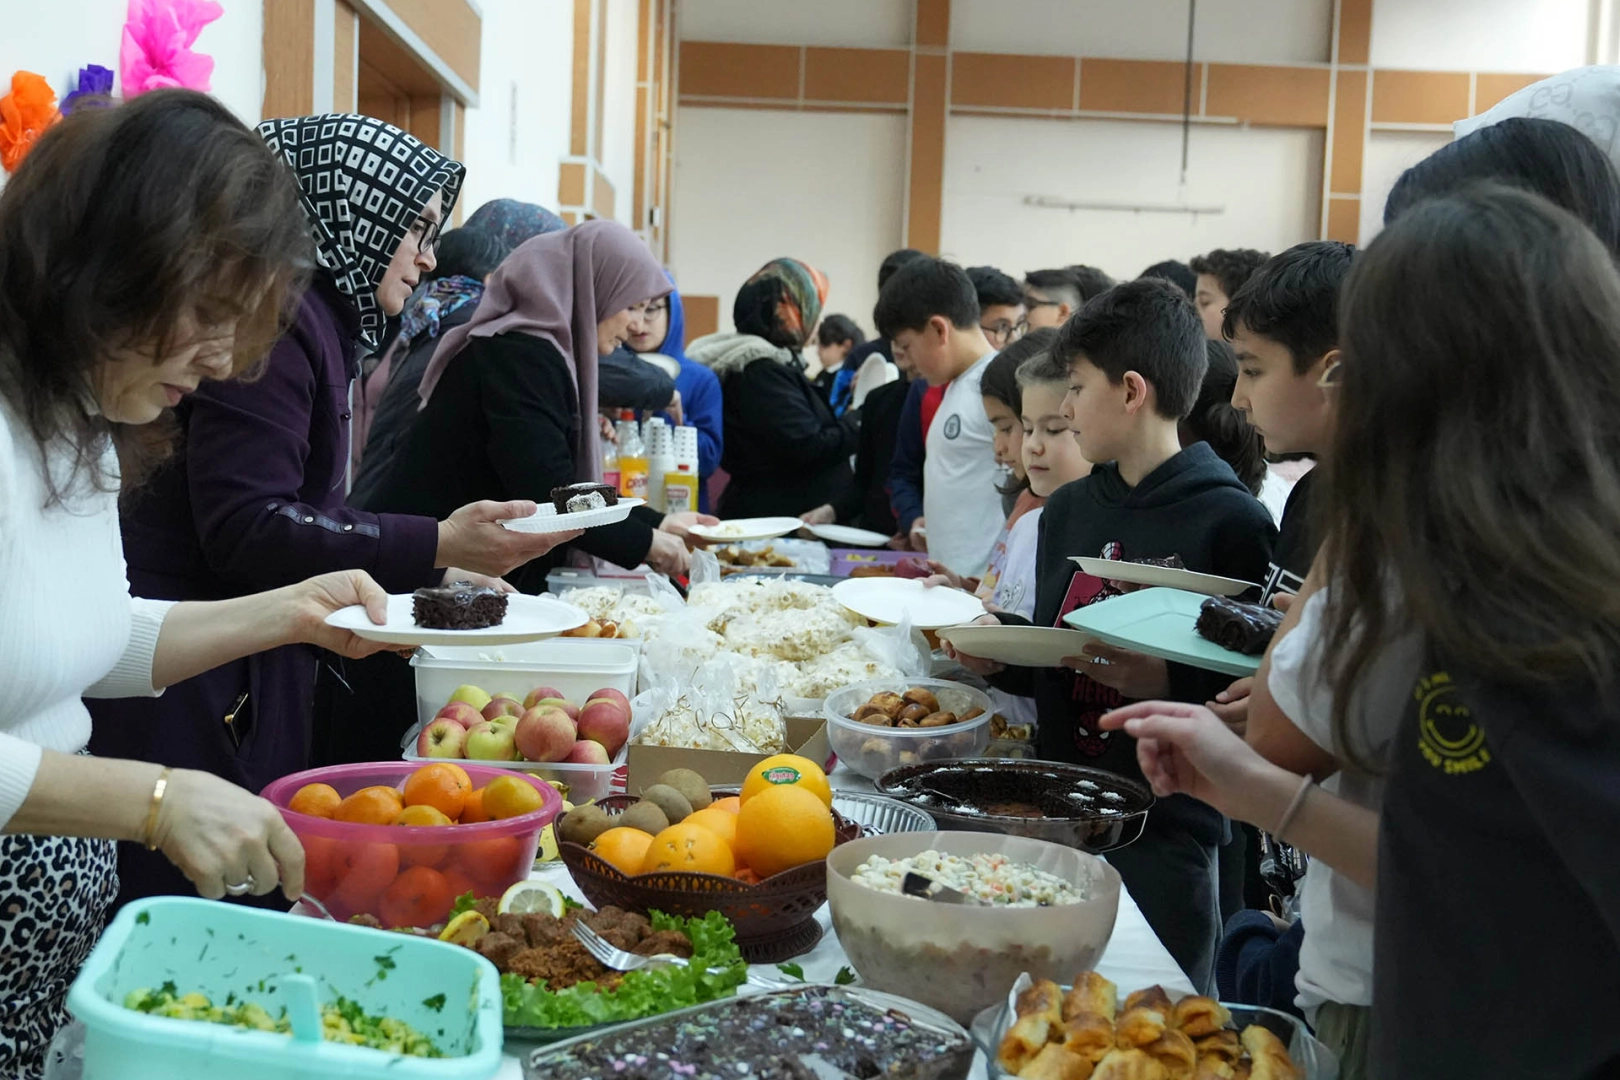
{"x": 992, "y": 879}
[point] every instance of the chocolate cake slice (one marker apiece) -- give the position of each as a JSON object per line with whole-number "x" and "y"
{"x": 584, "y": 496}
{"x": 459, "y": 606}
{"x": 1232, "y": 624}
{"x": 1171, "y": 562}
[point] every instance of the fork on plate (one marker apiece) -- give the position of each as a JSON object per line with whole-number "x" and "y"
{"x": 611, "y": 956}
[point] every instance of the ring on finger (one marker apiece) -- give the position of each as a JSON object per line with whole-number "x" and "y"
{"x": 241, "y": 889}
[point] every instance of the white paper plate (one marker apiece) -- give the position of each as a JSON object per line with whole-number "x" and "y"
{"x": 888, "y": 600}
{"x": 549, "y": 521}
{"x": 767, "y": 528}
{"x": 1018, "y": 646}
{"x": 528, "y": 618}
{"x": 1163, "y": 576}
{"x": 845, "y": 534}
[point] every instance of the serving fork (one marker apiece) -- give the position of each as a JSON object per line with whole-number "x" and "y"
{"x": 611, "y": 956}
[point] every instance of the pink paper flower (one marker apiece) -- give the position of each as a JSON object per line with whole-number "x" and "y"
{"x": 156, "y": 51}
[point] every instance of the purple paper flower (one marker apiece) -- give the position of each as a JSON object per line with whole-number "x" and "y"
{"x": 95, "y": 81}
{"x": 158, "y": 37}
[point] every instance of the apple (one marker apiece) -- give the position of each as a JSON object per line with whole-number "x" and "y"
{"x": 502, "y": 706}
{"x": 607, "y": 693}
{"x": 545, "y": 734}
{"x": 461, "y": 712}
{"x": 472, "y": 695}
{"x": 541, "y": 693}
{"x": 510, "y": 723}
{"x": 561, "y": 704}
{"x": 586, "y": 752}
{"x": 606, "y": 722}
{"x": 491, "y": 742}
{"x": 443, "y": 738}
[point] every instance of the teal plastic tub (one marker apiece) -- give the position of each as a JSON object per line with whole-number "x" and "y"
{"x": 448, "y": 993}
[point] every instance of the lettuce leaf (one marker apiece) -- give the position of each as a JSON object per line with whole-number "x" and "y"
{"x": 641, "y": 993}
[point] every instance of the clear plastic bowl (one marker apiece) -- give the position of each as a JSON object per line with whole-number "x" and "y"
{"x": 372, "y": 869}
{"x": 962, "y": 959}
{"x": 873, "y": 750}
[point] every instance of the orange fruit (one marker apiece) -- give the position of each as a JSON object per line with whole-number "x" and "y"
{"x": 720, "y": 822}
{"x": 493, "y": 863}
{"x": 320, "y": 871}
{"x": 747, "y": 876}
{"x": 623, "y": 848}
{"x": 787, "y": 770}
{"x": 461, "y": 882}
{"x": 783, "y": 827}
{"x": 371, "y": 806}
{"x": 363, "y": 871}
{"x": 422, "y": 854}
{"x": 442, "y": 787}
{"x": 472, "y": 811}
{"x": 420, "y": 816}
{"x": 510, "y": 796}
{"x": 690, "y": 848}
{"x": 420, "y": 896}
{"x": 731, "y": 804}
{"x": 316, "y": 800}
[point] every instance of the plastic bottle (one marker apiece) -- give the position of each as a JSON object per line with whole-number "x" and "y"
{"x": 681, "y": 481}
{"x": 610, "y": 464}
{"x": 632, "y": 458}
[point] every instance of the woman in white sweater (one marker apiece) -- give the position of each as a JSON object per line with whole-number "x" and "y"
{"x": 143, "y": 248}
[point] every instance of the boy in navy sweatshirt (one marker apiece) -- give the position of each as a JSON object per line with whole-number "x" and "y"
{"x": 1136, "y": 357}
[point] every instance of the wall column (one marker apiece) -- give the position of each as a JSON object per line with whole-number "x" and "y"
{"x": 930, "y": 94}
{"x": 1346, "y": 142}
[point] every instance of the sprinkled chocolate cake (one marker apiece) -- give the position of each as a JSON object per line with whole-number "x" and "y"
{"x": 586, "y": 496}
{"x": 1243, "y": 628}
{"x": 459, "y": 606}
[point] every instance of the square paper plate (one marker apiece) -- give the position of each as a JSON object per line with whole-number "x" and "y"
{"x": 1160, "y": 622}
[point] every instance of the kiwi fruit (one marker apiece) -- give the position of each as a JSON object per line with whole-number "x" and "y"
{"x": 690, "y": 784}
{"x": 583, "y": 824}
{"x": 645, "y": 816}
{"x": 674, "y": 805}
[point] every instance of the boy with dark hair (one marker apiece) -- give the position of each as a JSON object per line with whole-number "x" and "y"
{"x": 1136, "y": 358}
{"x": 1092, "y": 281}
{"x": 1176, "y": 273}
{"x": 1001, "y": 306}
{"x": 1051, "y": 297}
{"x": 844, "y": 385}
{"x": 930, "y": 311}
{"x": 1221, "y": 274}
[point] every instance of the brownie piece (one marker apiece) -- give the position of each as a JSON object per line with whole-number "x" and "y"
{"x": 585, "y": 496}
{"x": 1243, "y": 628}
{"x": 1172, "y": 562}
{"x": 461, "y": 606}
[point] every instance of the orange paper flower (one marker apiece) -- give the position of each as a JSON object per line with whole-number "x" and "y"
{"x": 25, "y": 113}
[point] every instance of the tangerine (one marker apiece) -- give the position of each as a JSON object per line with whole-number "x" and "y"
{"x": 747, "y": 876}
{"x": 420, "y": 816}
{"x": 363, "y": 871}
{"x": 494, "y": 863}
{"x": 420, "y": 896}
{"x": 690, "y": 848}
{"x": 720, "y": 822}
{"x": 731, "y": 804}
{"x": 783, "y": 827}
{"x": 414, "y": 854}
{"x": 461, "y": 882}
{"x": 511, "y": 796}
{"x": 316, "y": 800}
{"x": 787, "y": 770}
{"x": 472, "y": 811}
{"x": 442, "y": 787}
{"x": 376, "y": 805}
{"x": 623, "y": 848}
{"x": 320, "y": 871}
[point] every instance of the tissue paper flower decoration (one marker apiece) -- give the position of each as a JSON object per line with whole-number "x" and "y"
{"x": 156, "y": 52}
{"x": 95, "y": 81}
{"x": 25, "y": 113}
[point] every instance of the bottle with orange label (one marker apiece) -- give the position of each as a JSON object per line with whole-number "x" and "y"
{"x": 632, "y": 458}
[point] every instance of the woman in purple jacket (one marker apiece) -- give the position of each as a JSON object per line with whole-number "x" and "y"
{"x": 256, "y": 497}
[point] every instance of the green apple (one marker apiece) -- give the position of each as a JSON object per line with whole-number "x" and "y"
{"x": 472, "y": 695}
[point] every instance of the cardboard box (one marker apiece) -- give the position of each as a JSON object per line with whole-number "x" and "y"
{"x": 806, "y": 736}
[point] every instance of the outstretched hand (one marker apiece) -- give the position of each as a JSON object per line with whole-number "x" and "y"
{"x": 473, "y": 537}
{"x": 1186, "y": 750}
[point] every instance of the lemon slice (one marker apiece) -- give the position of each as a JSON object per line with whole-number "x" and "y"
{"x": 465, "y": 929}
{"x": 530, "y": 898}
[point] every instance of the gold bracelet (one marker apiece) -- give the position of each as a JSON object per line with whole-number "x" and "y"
{"x": 158, "y": 790}
{"x": 1293, "y": 808}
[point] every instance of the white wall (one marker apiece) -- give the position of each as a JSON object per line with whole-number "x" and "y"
{"x": 1544, "y": 36}
{"x": 1268, "y": 179}
{"x": 750, "y": 186}
{"x": 1390, "y": 153}
{"x": 618, "y": 152}
{"x": 867, "y": 24}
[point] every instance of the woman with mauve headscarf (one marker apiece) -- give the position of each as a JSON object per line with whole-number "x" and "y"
{"x": 785, "y": 450}
{"x": 509, "y": 400}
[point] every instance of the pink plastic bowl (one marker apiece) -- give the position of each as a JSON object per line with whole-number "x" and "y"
{"x": 409, "y": 876}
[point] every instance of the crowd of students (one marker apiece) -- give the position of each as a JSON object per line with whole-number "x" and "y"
{"x": 1428, "y": 751}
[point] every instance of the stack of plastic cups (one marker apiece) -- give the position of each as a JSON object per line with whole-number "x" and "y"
{"x": 660, "y": 460}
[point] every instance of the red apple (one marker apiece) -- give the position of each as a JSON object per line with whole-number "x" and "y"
{"x": 561, "y": 703}
{"x": 607, "y": 693}
{"x": 461, "y": 712}
{"x": 586, "y": 752}
{"x": 491, "y": 742}
{"x": 606, "y": 722}
{"x": 443, "y": 738}
{"x": 545, "y": 734}
{"x": 502, "y": 706}
{"x": 539, "y": 694}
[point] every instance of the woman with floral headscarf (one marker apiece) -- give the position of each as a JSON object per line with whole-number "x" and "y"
{"x": 254, "y": 499}
{"x": 785, "y": 450}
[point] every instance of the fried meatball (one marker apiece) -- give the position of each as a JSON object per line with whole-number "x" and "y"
{"x": 665, "y": 941}
{"x": 560, "y": 966}
{"x": 489, "y": 907}
{"x": 543, "y": 931}
{"x": 511, "y": 925}
{"x": 499, "y": 949}
{"x": 636, "y": 924}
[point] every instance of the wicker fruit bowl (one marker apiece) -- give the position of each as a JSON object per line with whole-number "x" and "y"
{"x": 774, "y": 920}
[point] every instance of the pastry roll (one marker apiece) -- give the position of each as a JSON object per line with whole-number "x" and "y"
{"x": 1175, "y": 1052}
{"x": 1212, "y": 1068}
{"x": 1091, "y": 994}
{"x": 1268, "y": 1056}
{"x": 1089, "y": 1035}
{"x": 1128, "y": 1065}
{"x": 1023, "y": 1041}
{"x": 1056, "y": 1062}
{"x": 1138, "y": 1027}
{"x": 1045, "y": 998}
{"x": 1222, "y": 1044}
{"x": 1153, "y": 998}
{"x": 1199, "y": 1016}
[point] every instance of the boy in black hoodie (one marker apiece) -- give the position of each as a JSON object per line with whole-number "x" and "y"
{"x": 1136, "y": 360}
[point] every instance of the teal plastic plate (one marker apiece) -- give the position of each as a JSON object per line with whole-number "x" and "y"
{"x": 1159, "y": 622}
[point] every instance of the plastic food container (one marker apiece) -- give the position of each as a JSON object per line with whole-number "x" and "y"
{"x": 873, "y": 750}
{"x": 961, "y": 959}
{"x": 373, "y": 869}
{"x": 450, "y": 994}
